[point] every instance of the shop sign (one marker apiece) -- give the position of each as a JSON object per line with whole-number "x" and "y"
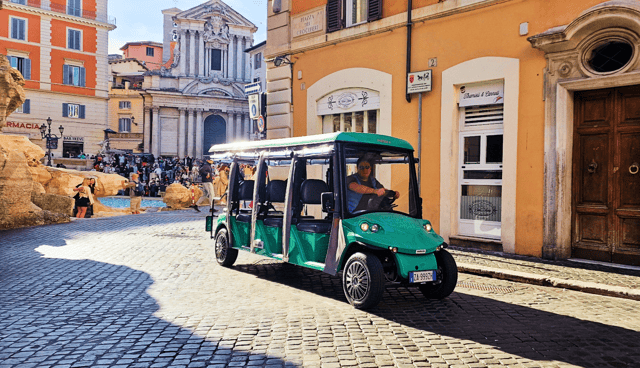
{"x": 418, "y": 82}
{"x": 69, "y": 138}
{"x": 348, "y": 100}
{"x": 30, "y": 126}
{"x": 308, "y": 23}
{"x": 487, "y": 93}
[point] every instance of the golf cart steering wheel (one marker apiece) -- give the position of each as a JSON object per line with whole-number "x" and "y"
{"x": 384, "y": 202}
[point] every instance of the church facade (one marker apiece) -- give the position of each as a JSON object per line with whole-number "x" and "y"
{"x": 196, "y": 99}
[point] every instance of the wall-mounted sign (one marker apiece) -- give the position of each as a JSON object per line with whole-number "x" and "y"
{"x": 349, "y": 100}
{"x": 308, "y": 23}
{"x": 68, "y": 138}
{"x": 252, "y": 88}
{"x": 486, "y": 93}
{"x": 23, "y": 126}
{"x": 418, "y": 82}
{"x": 254, "y": 106}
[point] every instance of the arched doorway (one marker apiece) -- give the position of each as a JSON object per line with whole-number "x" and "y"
{"x": 215, "y": 131}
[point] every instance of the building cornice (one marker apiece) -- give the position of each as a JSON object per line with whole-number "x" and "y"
{"x": 57, "y": 15}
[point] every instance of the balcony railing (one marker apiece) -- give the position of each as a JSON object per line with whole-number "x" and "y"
{"x": 60, "y": 8}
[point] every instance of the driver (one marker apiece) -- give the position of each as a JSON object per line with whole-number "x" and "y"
{"x": 363, "y": 186}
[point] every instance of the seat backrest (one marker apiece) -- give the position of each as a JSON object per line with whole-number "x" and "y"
{"x": 245, "y": 191}
{"x": 276, "y": 191}
{"x": 311, "y": 191}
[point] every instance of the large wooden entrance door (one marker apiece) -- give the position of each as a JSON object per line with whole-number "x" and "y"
{"x": 606, "y": 177}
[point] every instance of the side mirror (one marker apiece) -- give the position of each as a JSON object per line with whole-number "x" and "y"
{"x": 328, "y": 204}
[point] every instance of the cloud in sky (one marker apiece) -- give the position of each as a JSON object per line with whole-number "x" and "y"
{"x": 141, "y": 20}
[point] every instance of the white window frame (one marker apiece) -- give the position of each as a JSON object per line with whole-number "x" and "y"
{"x": 73, "y": 111}
{"x": 26, "y": 28}
{"x": 120, "y": 121}
{"x": 80, "y": 9}
{"x": 349, "y": 13}
{"x": 69, "y": 29}
{"x": 124, "y": 105}
{"x": 21, "y": 2}
{"x": 327, "y": 121}
{"x": 257, "y": 61}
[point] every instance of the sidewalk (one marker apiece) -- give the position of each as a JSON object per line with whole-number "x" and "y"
{"x": 610, "y": 280}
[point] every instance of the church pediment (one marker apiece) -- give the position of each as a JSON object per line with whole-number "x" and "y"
{"x": 215, "y": 12}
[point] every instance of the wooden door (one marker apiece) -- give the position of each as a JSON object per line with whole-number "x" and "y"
{"x": 606, "y": 181}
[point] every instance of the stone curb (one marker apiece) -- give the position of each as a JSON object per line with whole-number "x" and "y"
{"x": 535, "y": 279}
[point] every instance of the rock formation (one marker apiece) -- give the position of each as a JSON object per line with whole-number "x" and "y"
{"x": 11, "y": 92}
{"x": 179, "y": 197}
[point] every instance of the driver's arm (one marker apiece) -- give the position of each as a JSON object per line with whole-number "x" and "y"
{"x": 363, "y": 189}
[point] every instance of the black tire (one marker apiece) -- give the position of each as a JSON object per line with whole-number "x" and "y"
{"x": 225, "y": 255}
{"x": 363, "y": 280}
{"x": 449, "y": 271}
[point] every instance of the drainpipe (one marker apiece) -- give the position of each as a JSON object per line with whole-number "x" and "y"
{"x": 409, "y": 24}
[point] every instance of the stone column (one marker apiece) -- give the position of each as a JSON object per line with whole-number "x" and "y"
{"x": 156, "y": 131}
{"x": 147, "y": 129}
{"x": 225, "y": 57}
{"x": 229, "y": 126}
{"x": 232, "y": 59}
{"x": 181, "y": 132}
{"x": 247, "y": 57}
{"x": 183, "y": 52}
{"x": 190, "y": 133}
{"x": 199, "y": 131}
{"x": 239, "y": 62}
{"x": 192, "y": 53}
{"x": 201, "y": 55}
{"x": 207, "y": 60}
{"x": 247, "y": 127}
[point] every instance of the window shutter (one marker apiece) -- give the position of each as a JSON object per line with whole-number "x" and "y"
{"x": 375, "y": 10}
{"x": 76, "y": 35}
{"x": 26, "y": 107}
{"x": 81, "y": 112}
{"x": 14, "y": 61}
{"x": 69, "y": 39}
{"x": 334, "y": 15}
{"x": 26, "y": 65}
{"x": 21, "y": 24}
{"x": 65, "y": 110}
{"x": 82, "y": 77}
{"x": 65, "y": 74}
{"x": 14, "y": 28}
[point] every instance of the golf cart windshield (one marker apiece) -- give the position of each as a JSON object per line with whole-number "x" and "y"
{"x": 380, "y": 180}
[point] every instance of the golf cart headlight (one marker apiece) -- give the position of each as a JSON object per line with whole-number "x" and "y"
{"x": 375, "y": 228}
{"x": 428, "y": 227}
{"x": 364, "y": 226}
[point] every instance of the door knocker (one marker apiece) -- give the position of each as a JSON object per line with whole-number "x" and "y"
{"x": 634, "y": 168}
{"x": 593, "y": 166}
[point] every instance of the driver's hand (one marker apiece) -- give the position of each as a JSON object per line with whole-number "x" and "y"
{"x": 397, "y": 194}
{"x": 380, "y": 192}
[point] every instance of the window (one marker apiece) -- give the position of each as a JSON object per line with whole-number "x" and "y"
{"x": 22, "y": 64}
{"x": 257, "y": 61}
{"x": 21, "y": 2}
{"x": 18, "y": 29}
{"x": 610, "y": 56}
{"x": 149, "y": 51}
{"x": 74, "y": 7}
{"x": 124, "y": 104}
{"x": 124, "y": 125}
{"x": 358, "y": 121}
{"x": 25, "y": 108}
{"x": 74, "y": 39}
{"x": 256, "y": 79}
{"x": 356, "y": 12}
{"x": 216, "y": 59}
{"x": 73, "y": 75}
{"x": 73, "y": 111}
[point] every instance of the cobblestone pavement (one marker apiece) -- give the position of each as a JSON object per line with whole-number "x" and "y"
{"x": 145, "y": 291}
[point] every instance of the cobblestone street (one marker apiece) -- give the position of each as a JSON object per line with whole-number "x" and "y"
{"x": 146, "y": 291}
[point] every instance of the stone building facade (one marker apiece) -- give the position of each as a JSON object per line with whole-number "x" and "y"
{"x": 197, "y": 98}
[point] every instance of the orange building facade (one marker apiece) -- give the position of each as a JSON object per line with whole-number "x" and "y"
{"x": 526, "y": 115}
{"x": 60, "y": 47}
{"x": 148, "y": 52}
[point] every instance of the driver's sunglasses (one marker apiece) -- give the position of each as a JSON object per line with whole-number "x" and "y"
{"x": 361, "y": 167}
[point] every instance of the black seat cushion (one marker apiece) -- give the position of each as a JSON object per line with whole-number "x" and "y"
{"x": 314, "y": 226}
{"x": 273, "y": 221}
{"x": 276, "y": 191}
{"x": 244, "y": 217}
{"x": 245, "y": 191}
{"x": 311, "y": 191}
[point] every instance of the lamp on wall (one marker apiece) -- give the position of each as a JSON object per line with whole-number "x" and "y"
{"x": 276, "y": 7}
{"x": 133, "y": 121}
{"x": 279, "y": 60}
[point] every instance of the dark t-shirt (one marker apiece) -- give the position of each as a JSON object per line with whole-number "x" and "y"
{"x": 205, "y": 170}
{"x": 362, "y": 204}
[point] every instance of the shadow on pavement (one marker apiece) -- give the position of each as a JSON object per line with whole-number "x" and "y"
{"x": 83, "y": 313}
{"x": 514, "y": 329}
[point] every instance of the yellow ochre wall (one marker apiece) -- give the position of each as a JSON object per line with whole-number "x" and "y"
{"x": 492, "y": 31}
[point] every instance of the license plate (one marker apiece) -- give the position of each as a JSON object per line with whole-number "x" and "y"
{"x": 422, "y": 276}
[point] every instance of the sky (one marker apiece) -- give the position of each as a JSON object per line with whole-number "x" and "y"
{"x": 141, "y": 20}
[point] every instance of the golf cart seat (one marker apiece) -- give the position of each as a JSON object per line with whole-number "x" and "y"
{"x": 276, "y": 191}
{"x": 245, "y": 193}
{"x": 311, "y": 193}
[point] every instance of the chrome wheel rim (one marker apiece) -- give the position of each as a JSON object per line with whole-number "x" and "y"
{"x": 221, "y": 248}
{"x": 357, "y": 281}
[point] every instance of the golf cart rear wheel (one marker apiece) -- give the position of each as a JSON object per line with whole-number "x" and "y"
{"x": 363, "y": 280}
{"x": 449, "y": 270}
{"x": 225, "y": 255}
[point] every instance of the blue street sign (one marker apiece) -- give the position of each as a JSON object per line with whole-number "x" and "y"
{"x": 252, "y": 88}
